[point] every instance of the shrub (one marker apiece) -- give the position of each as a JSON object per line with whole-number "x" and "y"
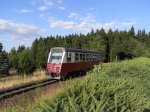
{"x": 117, "y": 87}
{"x": 139, "y": 68}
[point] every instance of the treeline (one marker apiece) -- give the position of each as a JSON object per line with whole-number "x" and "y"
{"x": 114, "y": 45}
{"x": 3, "y": 61}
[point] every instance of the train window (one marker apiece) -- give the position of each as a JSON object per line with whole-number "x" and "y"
{"x": 68, "y": 57}
{"x": 56, "y": 57}
{"x": 97, "y": 57}
{"x": 81, "y": 57}
{"x": 93, "y": 57}
{"x": 76, "y": 56}
{"x": 87, "y": 57}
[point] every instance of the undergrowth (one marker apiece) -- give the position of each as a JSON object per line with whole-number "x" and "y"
{"x": 114, "y": 87}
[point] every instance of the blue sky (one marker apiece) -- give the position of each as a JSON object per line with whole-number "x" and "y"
{"x": 21, "y": 21}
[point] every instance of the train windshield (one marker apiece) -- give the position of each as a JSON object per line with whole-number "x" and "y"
{"x": 56, "y": 57}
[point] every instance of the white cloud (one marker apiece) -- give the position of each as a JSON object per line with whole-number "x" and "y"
{"x": 62, "y": 8}
{"x": 59, "y": 1}
{"x": 25, "y": 11}
{"x": 42, "y": 16}
{"x": 118, "y": 25}
{"x": 85, "y": 24}
{"x": 128, "y": 23}
{"x": 47, "y": 2}
{"x": 50, "y": 2}
{"x": 72, "y": 15}
{"x": 61, "y": 24}
{"x": 22, "y": 41}
{"x": 91, "y": 8}
{"x": 43, "y": 8}
{"x": 19, "y": 29}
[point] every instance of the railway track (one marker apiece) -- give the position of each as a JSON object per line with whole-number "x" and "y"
{"x": 20, "y": 89}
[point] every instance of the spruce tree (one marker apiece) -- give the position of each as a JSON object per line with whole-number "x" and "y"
{"x": 13, "y": 58}
{"x": 1, "y": 47}
{"x": 3, "y": 61}
{"x": 131, "y": 32}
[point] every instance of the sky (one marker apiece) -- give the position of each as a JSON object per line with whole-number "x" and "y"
{"x": 22, "y": 21}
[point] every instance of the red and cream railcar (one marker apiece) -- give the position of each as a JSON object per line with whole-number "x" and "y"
{"x": 66, "y": 61}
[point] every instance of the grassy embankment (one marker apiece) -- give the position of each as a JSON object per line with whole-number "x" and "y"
{"x": 12, "y": 81}
{"x": 116, "y": 87}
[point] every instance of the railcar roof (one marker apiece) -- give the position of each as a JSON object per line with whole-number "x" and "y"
{"x": 77, "y": 50}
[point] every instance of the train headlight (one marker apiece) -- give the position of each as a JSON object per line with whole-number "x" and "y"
{"x": 58, "y": 69}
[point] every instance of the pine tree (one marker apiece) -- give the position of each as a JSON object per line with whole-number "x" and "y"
{"x": 131, "y": 32}
{"x": 1, "y": 47}
{"x": 109, "y": 44}
{"x": 13, "y": 58}
{"x": 3, "y": 61}
{"x": 103, "y": 35}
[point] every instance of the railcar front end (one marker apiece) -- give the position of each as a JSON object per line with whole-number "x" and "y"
{"x": 54, "y": 63}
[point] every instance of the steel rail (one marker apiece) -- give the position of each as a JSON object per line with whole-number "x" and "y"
{"x": 7, "y": 93}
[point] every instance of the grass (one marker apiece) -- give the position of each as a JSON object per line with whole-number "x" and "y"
{"x": 27, "y": 100}
{"x": 113, "y": 87}
{"x": 13, "y": 81}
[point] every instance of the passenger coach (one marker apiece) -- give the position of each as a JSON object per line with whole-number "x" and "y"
{"x": 63, "y": 62}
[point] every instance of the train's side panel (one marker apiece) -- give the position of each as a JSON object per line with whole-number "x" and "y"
{"x": 78, "y": 66}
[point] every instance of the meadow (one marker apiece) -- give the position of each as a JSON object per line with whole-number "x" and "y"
{"x": 17, "y": 80}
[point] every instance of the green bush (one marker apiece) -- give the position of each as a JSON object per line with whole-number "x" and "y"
{"x": 117, "y": 87}
{"x": 139, "y": 68}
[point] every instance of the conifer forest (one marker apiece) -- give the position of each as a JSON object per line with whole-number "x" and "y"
{"x": 114, "y": 46}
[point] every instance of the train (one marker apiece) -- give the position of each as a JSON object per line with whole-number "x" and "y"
{"x": 63, "y": 62}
